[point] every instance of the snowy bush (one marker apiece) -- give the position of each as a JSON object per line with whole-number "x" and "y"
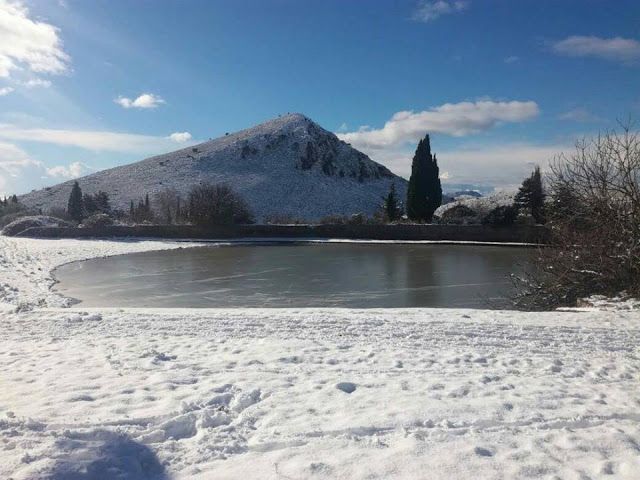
{"x": 481, "y": 207}
{"x": 12, "y": 217}
{"x": 98, "y": 220}
{"x": 459, "y": 215}
{"x": 21, "y": 225}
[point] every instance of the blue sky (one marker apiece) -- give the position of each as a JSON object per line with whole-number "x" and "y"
{"x": 500, "y": 84}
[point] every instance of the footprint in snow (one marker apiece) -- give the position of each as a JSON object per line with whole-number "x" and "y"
{"x": 163, "y": 357}
{"x": 483, "y": 452}
{"x": 346, "y": 387}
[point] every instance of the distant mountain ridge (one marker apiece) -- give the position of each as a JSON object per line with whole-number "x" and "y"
{"x": 287, "y": 166}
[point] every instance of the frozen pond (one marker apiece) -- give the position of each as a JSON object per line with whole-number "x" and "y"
{"x": 299, "y": 275}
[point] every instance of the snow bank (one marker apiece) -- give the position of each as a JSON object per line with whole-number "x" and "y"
{"x": 26, "y": 264}
{"x": 271, "y": 394}
{"x": 24, "y": 223}
{"x": 480, "y": 205}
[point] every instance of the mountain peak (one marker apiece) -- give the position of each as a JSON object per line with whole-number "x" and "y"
{"x": 288, "y": 165}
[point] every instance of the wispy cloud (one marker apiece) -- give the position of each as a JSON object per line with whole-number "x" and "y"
{"x": 5, "y": 91}
{"x": 100, "y": 141}
{"x": 37, "y": 82}
{"x": 579, "y": 115}
{"x": 618, "y": 49}
{"x": 511, "y": 59}
{"x": 146, "y": 100}
{"x": 19, "y": 173}
{"x": 29, "y": 43}
{"x": 427, "y": 11}
{"x": 456, "y": 119}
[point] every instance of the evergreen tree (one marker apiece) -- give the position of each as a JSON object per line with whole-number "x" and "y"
{"x": 14, "y": 199}
{"x": 101, "y": 200}
{"x": 391, "y": 206}
{"x": 75, "y": 207}
{"x": 89, "y": 204}
{"x": 146, "y": 203}
{"x": 131, "y": 209}
{"x": 424, "y": 195}
{"x": 530, "y": 196}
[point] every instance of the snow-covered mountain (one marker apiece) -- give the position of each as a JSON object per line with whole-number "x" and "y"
{"x": 288, "y": 165}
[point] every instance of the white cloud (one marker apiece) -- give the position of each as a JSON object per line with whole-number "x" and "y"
{"x": 5, "y": 91}
{"x": 500, "y": 165}
{"x": 19, "y": 173}
{"x": 73, "y": 170}
{"x": 511, "y": 59}
{"x": 429, "y": 10}
{"x": 496, "y": 165}
{"x": 37, "y": 82}
{"x": 180, "y": 137}
{"x": 625, "y": 50}
{"x": 343, "y": 128}
{"x": 90, "y": 140}
{"x": 146, "y": 100}
{"x": 457, "y": 119}
{"x": 17, "y": 170}
{"x": 579, "y": 115}
{"x": 28, "y": 43}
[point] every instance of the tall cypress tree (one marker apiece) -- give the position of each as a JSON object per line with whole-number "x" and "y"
{"x": 75, "y": 207}
{"x": 424, "y": 195}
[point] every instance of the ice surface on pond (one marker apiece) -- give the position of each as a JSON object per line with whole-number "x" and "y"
{"x": 331, "y": 275}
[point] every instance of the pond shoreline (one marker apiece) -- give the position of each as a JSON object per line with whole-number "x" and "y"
{"x": 441, "y": 233}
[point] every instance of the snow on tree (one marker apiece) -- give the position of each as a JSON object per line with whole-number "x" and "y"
{"x": 530, "y": 197}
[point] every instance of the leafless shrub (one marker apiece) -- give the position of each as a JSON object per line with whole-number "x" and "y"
{"x": 169, "y": 206}
{"x": 217, "y": 205}
{"x": 594, "y": 218}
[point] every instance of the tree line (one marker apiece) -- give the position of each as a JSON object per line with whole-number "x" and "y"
{"x": 206, "y": 204}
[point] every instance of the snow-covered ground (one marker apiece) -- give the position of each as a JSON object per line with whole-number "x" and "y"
{"x": 422, "y": 393}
